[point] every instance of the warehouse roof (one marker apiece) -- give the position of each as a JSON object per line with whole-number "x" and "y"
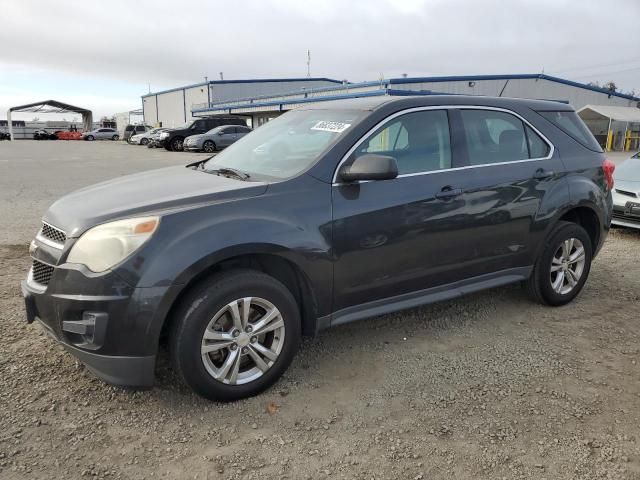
{"x": 252, "y": 80}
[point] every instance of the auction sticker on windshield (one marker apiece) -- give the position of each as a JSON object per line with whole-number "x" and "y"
{"x": 335, "y": 127}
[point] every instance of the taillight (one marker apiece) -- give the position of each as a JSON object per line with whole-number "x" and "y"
{"x": 608, "y": 167}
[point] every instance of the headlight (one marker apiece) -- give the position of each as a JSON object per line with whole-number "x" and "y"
{"x": 104, "y": 246}
{"x": 164, "y": 135}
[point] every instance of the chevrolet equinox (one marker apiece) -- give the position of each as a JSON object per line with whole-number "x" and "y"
{"x": 326, "y": 215}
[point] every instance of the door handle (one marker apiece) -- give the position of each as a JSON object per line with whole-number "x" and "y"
{"x": 541, "y": 173}
{"x": 448, "y": 192}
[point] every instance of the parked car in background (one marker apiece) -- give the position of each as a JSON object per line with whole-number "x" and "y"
{"x": 143, "y": 138}
{"x": 401, "y": 202}
{"x": 44, "y": 135}
{"x": 131, "y": 130}
{"x": 154, "y": 139}
{"x": 626, "y": 194}
{"x": 101, "y": 134}
{"x": 215, "y": 139}
{"x": 173, "y": 138}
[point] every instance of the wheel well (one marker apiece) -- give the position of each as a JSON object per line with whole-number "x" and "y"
{"x": 587, "y": 219}
{"x": 277, "y": 267}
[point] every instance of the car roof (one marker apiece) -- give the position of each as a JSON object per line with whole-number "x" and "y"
{"x": 409, "y": 101}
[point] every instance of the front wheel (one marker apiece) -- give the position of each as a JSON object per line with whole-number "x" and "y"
{"x": 144, "y": 141}
{"x": 235, "y": 335}
{"x": 90, "y": 138}
{"x": 177, "y": 144}
{"x": 115, "y": 138}
{"x": 209, "y": 146}
{"x": 563, "y": 266}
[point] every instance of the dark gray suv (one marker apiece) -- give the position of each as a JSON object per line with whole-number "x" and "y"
{"x": 324, "y": 216}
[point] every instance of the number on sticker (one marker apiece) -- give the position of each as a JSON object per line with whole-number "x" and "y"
{"x": 327, "y": 126}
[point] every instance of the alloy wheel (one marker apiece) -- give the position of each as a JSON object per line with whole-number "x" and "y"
{"x": 567, "y": 266}
{"x": 178, "y": 144}
{"x": 242, "y": 340}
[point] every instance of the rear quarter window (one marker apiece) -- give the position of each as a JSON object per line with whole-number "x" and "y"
{"x": 571, "y": 124}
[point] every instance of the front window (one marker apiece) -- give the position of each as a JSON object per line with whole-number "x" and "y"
{"x": 418, "y": 141}
{"x": 287, "y": 145}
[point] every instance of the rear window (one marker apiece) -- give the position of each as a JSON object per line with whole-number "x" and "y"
{"x": 571, "y": 124}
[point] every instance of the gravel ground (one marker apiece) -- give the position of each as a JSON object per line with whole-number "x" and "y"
{"x": 490, "y": 386}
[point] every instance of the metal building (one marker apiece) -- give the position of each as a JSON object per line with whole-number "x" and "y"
{"x": 174, "y": 107}
{"x": 535, "y": 86}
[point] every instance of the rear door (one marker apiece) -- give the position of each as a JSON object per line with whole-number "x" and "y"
{"x": 514, "y": 167}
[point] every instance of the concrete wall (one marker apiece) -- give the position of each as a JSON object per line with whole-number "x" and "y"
{"x": 173, "y": 108}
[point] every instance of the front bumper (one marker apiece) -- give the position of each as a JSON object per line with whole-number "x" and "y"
{"x": 192, "y": 147}
{"x": 626, "y": 210}
{"x": 107, "y": 326}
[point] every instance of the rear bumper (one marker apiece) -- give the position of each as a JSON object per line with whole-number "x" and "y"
{"x": 97, "y": 330}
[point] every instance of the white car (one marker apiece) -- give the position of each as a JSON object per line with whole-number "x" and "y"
{"x": 626, "y": 193}
{"x": 143, "y": 138}
{"x": 101, "y": 134}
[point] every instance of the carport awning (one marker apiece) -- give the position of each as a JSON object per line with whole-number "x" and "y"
{"x": 617, "y": 114}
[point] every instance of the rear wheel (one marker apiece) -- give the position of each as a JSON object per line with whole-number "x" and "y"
{"x": 563, "y": 266}
{"x": 115, "y": 138}
{"x": 209, "y": 146}
{"x": 144, "y": 141}
{"x": 90, "y": 138}
{"x": 235, "y": 335}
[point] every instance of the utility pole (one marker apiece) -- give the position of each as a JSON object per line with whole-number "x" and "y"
{"x": 308, "y": 63}
{"x": 221, "y": 75}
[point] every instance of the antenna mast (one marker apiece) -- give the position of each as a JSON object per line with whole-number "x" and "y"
{"x": 308, "y": 63}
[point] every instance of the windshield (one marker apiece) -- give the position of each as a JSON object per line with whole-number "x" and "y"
{"x": 214, "y": 130}
{"x": 288, "y": 145}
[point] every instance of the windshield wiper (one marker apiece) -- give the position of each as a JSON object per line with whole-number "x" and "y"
{"x": 225, "y": 171}
{"x": 199, "y": 163}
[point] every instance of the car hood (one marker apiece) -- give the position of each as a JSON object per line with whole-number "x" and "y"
{"x": 628, "y": 171}
{"x": 195, "y": 137}
{"x": 152, "y": 192}
{"x": 627, "y": 186}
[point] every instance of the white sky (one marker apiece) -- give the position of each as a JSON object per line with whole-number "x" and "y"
{"x": 102, "y": 55}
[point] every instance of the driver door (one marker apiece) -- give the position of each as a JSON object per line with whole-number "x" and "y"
{"x": 393, "y": 237}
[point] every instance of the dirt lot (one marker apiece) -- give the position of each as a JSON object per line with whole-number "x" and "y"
{"x": 491, "y": 386}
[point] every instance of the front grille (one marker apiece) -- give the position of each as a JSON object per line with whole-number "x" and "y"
{"x": 625, "y": 192}
{"x": 41, "y": 272}
{"x": 53, "y": 233}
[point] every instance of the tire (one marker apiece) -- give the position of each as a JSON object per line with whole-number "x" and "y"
{"x": 115, "y": 138}
{"x": 177, "y": 144}
{"x": 144, "y": 141}
{"x": 209, "y": 146}
{"x": 90, "y": 138}
{"x": 544, "y": 285}
{"x": 210, "y": 301}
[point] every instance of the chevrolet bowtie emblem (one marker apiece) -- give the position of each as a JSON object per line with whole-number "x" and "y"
{"x": 33, "y": 248}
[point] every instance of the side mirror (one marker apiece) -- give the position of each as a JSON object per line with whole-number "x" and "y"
{"x": 369, "y": 167}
